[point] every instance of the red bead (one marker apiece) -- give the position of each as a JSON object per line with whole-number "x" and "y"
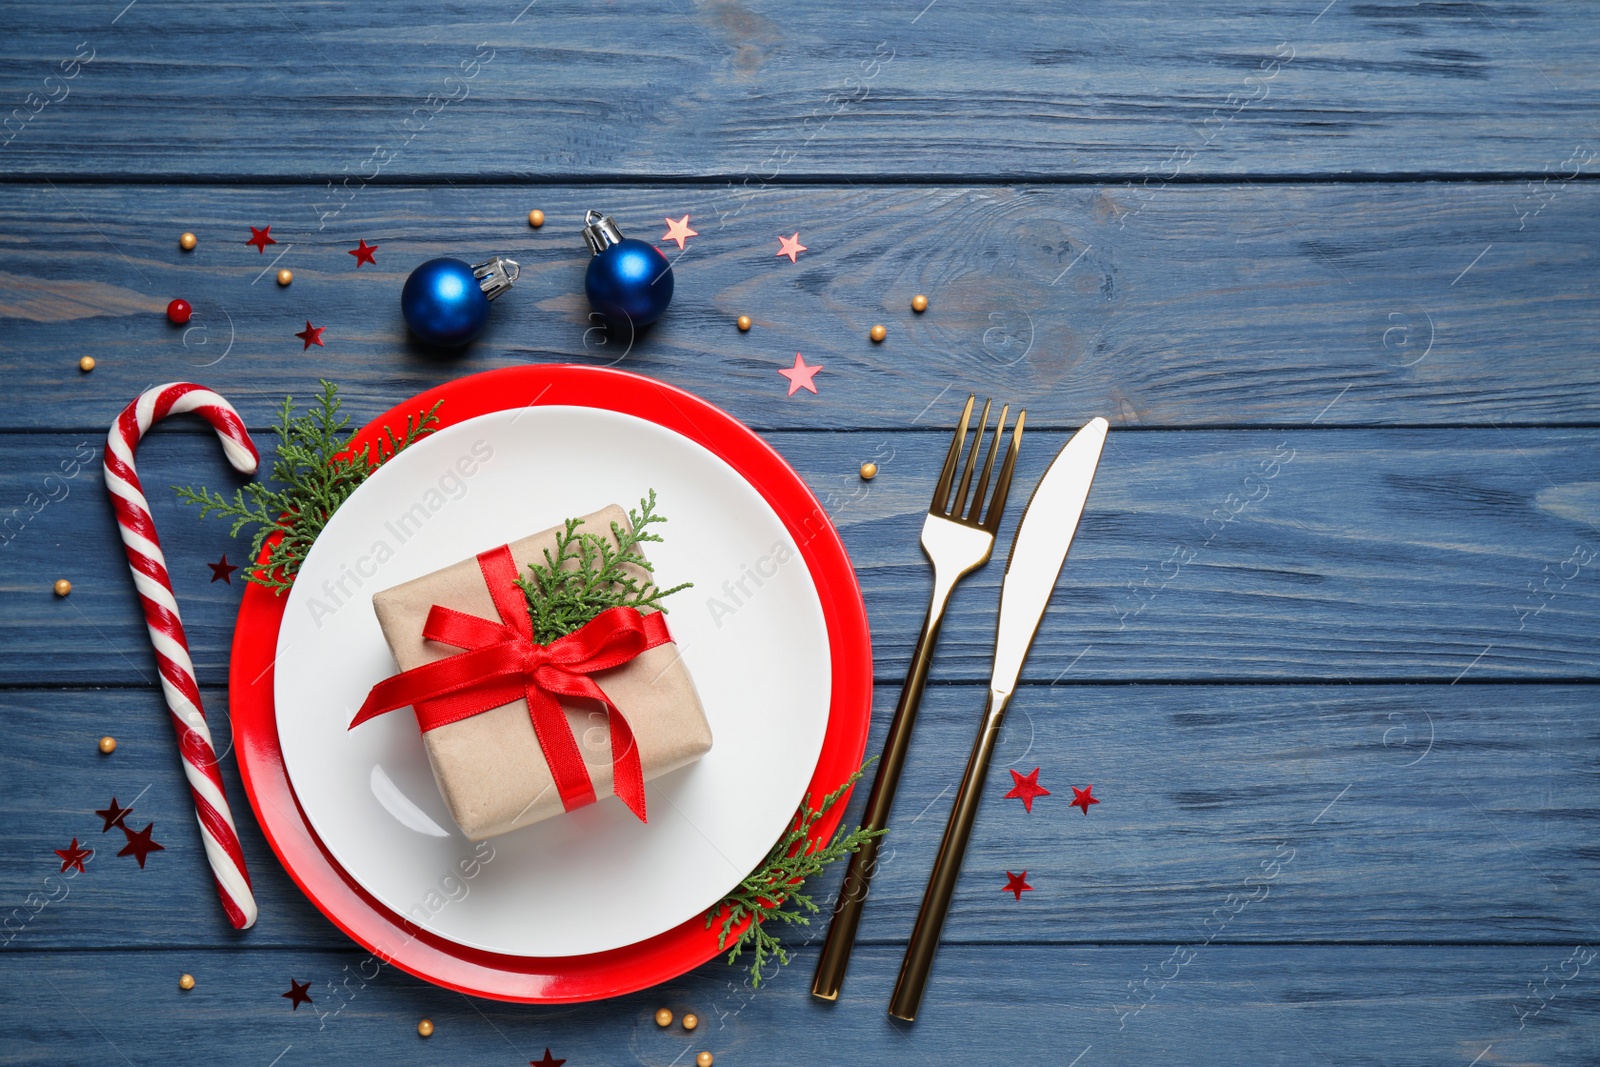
{"x": 178, "y": 312}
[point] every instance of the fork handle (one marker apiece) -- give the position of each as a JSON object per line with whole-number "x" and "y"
{"x": 924, "y": 942}
{"x": 858, "y": 876}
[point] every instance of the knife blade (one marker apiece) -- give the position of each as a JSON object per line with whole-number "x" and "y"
{"x": 1037, "y": 554}
{"x": 1039, "y": 550}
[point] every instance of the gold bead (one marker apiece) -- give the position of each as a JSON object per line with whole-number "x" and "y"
{"x": 663, "y": 1016}
{"x": 62, "y": 587}
{"x": 186, "y": 981}
{"x": 108, "y": 744}
{"x": 86, "y": 364}
{"x": 187, "y": 242}
{"x": 869, "y": 471}
{"x": 425, "y": 1028}
{"x": 690, "y": 1021}
{"x": 536, "y": 218}
{"x": 919, "y": 303}
{"x": 744, "y": 323}
{"x": 877, "y": 333}
{"x": 703, "y": 1060}
{"x": 285, "y": 276}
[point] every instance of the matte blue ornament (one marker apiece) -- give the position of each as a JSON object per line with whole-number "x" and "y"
{"x": 446, "y": 301}
{"x": 629, "y": 281}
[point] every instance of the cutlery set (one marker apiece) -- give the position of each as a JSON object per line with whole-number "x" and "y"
{"x": 958, "y": 536}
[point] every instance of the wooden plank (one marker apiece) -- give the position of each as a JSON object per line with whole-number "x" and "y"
{"x": 1257, "y": 813}
{"x": 1195, "y": 306}
{"x": 986, "y": 1004}
{"x": 1222, "y": 555}
{"x": 562, "y": 90}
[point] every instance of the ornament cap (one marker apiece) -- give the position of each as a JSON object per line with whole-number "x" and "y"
{"x": 496, "y": 275}
{"x": 600, "y": 232}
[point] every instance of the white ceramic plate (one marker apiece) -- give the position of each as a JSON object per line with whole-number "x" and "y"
{"x": 593, "y": 879}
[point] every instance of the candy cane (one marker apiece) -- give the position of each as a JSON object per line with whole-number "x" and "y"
{"x": 150, "y": 578}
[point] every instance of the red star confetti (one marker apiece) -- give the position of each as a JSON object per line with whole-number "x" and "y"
{"x": 113, "y": 815}
{"x": 220, "y": 572}
{"x": 311, "y": 335}
{"x": 1081, "y": 798}
{"x": 139, "y": 844}
{"x": 800, "y": 374}
{"x": 678, "y": 230}
{"x": 299, "y": 992}
{"x": 1026, "y": 788}
{"x": 1017, "y": 883}
{"x": 261, "y": 239}
{"x": 547, "y": 1061}
{"x": 791, "y": 246}
{"x": 363, "y": 253}
{"x": 73, "y": 856}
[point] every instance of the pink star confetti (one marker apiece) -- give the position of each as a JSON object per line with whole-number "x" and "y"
{"x": 791, "y": 246}
{"x": 1026, "y": 787}
{"x": 678, "y": 230}
{"x": 800, "y": 374}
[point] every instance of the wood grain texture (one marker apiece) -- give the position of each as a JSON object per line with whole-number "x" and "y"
{"x": 1346, "y": 814}
{"x": 1415, "y": 1006}
{"x": 1326, "y": 643}
{"x": 560, "y": 90}
{"x": 1414, "y": 555}
{"x": 1268, "y": 305}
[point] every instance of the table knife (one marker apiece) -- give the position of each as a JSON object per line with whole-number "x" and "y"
{"x": 1037, "y": 555}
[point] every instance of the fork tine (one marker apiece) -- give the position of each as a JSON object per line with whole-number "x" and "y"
{"x": 976, "y": 508}
{"x": 997, "y": 505}
{"x": 959, "y": 504}
{"x": 941, "y": 492}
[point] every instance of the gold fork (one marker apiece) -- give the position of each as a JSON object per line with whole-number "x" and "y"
{"x": 958, "y": 536}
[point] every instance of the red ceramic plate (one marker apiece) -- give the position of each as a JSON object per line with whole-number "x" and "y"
{"x": 393, "y": 938}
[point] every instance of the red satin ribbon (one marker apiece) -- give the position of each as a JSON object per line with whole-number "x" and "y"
{"x": 502, "y": 663}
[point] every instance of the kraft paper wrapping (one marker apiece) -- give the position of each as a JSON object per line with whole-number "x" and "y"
{"x": 489, "y": 767}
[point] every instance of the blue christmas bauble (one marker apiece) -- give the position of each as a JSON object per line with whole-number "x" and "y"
{"x": 629, "y": 282}
{"x": 443, "y": 303}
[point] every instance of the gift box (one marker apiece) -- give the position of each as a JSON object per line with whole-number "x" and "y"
{"x": 517, "y": 731}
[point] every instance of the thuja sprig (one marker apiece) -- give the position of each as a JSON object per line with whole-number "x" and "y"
{"x": 314, "y": 471}
{"x": 589, "y": 573}
{"x": 774, "y": 889}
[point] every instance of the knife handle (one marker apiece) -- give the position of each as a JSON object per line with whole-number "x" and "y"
{"x": 946, "y": 867}
{"x": 841, "y": 938}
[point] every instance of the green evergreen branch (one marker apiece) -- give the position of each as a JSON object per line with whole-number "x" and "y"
{"x": 316, "y": 470}
{"x": 774, "y": 889}
{"x": 590, "y": 573}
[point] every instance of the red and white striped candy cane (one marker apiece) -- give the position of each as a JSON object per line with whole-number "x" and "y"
{"x": 150, "y": 578}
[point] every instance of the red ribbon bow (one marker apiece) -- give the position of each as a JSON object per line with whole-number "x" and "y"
{"x": 502, "y": 663}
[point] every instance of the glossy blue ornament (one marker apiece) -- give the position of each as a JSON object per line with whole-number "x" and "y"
{"x": 446, "y": 301}
{"x": 629, "y": 281}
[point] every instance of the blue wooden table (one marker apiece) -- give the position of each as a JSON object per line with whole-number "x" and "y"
{"x": 1326, "y": 645}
